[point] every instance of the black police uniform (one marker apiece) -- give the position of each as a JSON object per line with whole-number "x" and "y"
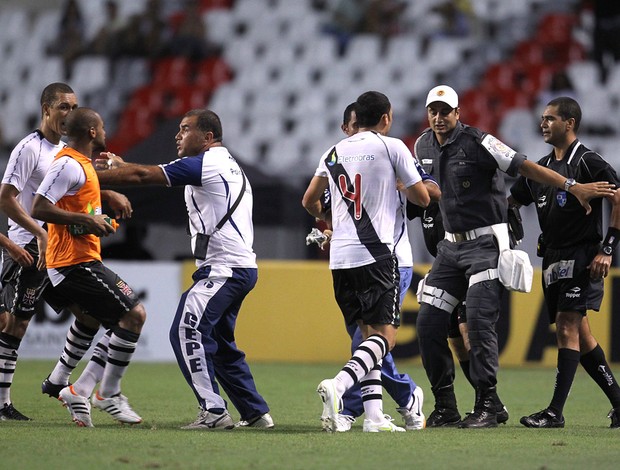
{"x": 473, "y": 199}
{"x": 570, "y": 237}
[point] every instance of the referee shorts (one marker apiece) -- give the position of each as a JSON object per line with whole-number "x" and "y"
{"x": 566, "y": 280}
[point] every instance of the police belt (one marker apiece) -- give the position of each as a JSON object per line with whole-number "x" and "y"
{"x": 471, "y": 234}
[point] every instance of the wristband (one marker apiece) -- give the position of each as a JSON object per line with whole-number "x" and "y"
{"x": 611, "y": 240}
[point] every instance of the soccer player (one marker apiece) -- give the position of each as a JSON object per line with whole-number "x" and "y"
{"x": 69, "y": 195}
{"x": 406, "y": 393}
{"x": 361, "y": 173}
{"x": 24, "y": 285}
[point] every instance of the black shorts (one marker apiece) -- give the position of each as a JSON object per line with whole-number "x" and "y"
{"x": 369, "y": 293}
{"x": 566, "y": 280}
{"x": 98, "y": 291}
{"x": 23, "y": 287}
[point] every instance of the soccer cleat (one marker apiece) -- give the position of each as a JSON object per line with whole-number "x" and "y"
{"x": 414, "y": 417}
{"x": 443, "y": 417}
{"x": 383, "y": 426}
{"x": 117, "y": 407}
{"x": 332, "y": 404}
{"x": 52, "y": 389}
{"x": 614, "y": 415}
{"x": 264, "y": 421}
{"x": 78, "y": 406}
{"x": 212, "y": 421}
{"x": 341, "y": 423}
{"x": 9, "y": 413}
{"x": 543, "y": 419}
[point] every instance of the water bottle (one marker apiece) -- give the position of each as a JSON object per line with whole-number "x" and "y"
{"x": 78, "y": 229}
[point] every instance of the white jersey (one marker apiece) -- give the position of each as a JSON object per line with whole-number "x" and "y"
{"x": 65, "y": 177}
{"x": 28, "y": 164}
{"x": 404, "y": 255}
{"x": 213, "y": 181}
{"x": 362, "y": 172}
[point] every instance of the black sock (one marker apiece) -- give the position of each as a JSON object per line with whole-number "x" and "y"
{"x": 597, "y": 367}
{"x": 568, "y": 361}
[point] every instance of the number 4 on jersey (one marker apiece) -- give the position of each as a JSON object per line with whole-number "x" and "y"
{"x": 354, "y": 195}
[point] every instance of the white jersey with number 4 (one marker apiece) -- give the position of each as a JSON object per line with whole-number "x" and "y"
{"x": 362, "y": 172}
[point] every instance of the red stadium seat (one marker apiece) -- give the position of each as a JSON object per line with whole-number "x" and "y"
{"x": 172, "y": 72}
{"x": 211, "y": 73}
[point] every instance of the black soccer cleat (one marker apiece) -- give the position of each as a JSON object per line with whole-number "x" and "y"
{"x": 51, "y": 388}
{"x": 9, "y": 413}
{"x": 543, "y": 419}
{"x": 614, "y": 415}
{"x": 443, "y": 417}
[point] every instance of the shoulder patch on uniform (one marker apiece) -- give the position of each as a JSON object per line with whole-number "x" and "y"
{"x": 499, "y": 151}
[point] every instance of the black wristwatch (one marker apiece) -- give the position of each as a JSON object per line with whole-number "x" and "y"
{"x": 608, "y": 250}
{"x": 569, "y": 183}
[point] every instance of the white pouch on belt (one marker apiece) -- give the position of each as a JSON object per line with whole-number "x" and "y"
{"x": 515, "y": 270}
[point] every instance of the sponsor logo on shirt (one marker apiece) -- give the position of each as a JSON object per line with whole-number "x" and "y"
{"x": 355, "y": 158}
{"x": 331, "y": 159}
{"x": 542, "y": 201}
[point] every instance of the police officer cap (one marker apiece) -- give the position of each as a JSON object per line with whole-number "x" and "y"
{"x": 445, "y": 94}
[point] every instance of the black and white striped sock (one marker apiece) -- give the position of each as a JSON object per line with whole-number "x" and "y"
{"x": 8, "y": 358}
{"x": 368, "y": 354}
{"x": 79, "y": 338}
{"x": 120, "y": 350}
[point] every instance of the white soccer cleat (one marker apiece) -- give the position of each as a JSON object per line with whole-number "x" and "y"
{"x": 261, "y": 422}
{"x": 342, "y": 423}
{"x": 383, "y": 426}
{"x": 211, "y": 421}
{"x": 117, "y": 407}
{"x": 414, "y": 417}
{"x": 332, "y": 404}
{"x": 78, "y": 406}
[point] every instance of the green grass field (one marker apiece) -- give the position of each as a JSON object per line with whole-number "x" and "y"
{"x": 159, "y": 394}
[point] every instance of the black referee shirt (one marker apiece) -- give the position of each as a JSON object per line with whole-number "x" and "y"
{"x": 562, "y": 219}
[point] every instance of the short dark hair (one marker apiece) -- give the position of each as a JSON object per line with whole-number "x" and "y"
{"x": 346, "y": 117}
{"x": 207, "y": 121}
{"x": 567, "y": 108}
{"x": 79, "y": 122}
{"x": 370, "y": 107}
{"x": 50, "y": 92}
